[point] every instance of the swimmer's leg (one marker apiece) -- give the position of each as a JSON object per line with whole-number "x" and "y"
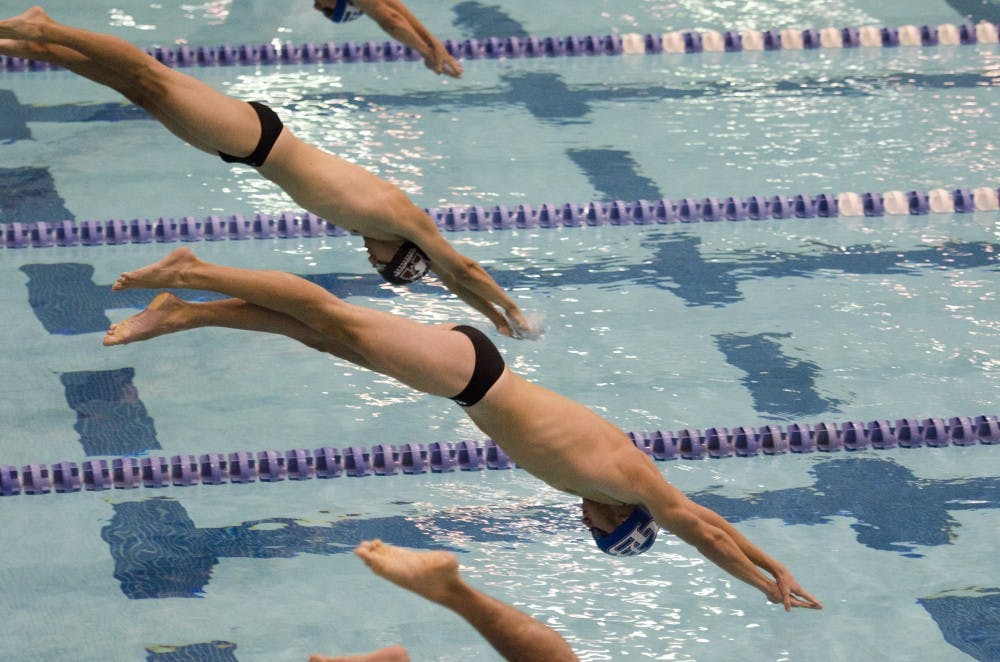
{"x": 275, "y": 290}
{"x": 427, "y": 358}
{"x": 168, "y": 314}
{"x": 434, "y": 575}
{"x": 194, "y": 111}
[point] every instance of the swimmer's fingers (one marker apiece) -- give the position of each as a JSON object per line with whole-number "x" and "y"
{"x": 804, "y": 599}
{"x": 784, "y": 583}
{"x": 776, "y": 595}
{"x": 524, "y": 329}
{"x": 448, "y": 67}
{"x": 781, "y": 595}
{"x": 436, "y": 59}
{"x": 526, "y": 333}
{"x": 440, "y": 61}
{"x": 516, "y": 331}
{"x": 433, "y": 62}
{"x": 784, "y": 590}
{"x": 453, "y": 68}
{"x": 804, "y": 604}
{"x": 793, "y": 595}
{"x": 502, "y": 325}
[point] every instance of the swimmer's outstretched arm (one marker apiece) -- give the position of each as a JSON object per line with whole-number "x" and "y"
{"x": 394, "y": 17}
{"x": 463, "y": 275}
{"x": 788, "y": 589}
{"x": 716, "y": 539}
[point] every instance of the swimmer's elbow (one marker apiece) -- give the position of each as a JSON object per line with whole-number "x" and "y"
{"x": 391, "y": 198}
{"x": 703, "y": 536}
{"x": 466, "y": 270}
{"x": 713, "y": 537}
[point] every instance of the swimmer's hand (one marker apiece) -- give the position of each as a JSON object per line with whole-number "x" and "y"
{"x": 440, "y": 61}
{"x": 527, "y": 327}
{"x": 786, "y": 591}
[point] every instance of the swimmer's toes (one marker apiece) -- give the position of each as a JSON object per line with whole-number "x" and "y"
{"x": 118, "y": 334}
{"x": 123, "y": 283}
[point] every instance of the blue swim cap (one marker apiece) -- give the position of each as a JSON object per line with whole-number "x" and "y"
{"x": 343, "y": 12}
{"x": 633, "y": 536}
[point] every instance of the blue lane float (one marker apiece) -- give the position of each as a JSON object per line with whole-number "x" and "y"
{"x": 300, "y": 464}
{"x": 682, "y": 41}
{"x": 286, "y": 225}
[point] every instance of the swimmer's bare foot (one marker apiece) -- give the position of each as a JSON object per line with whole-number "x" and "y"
{"x": 388, "y": 654}
{"x": 29, "y": 26}
{"x": 433, "y": 575}
{"x": 167, "y": 272}
{"x": 165, "y": 314}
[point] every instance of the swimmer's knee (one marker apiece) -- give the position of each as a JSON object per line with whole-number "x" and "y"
{"x": 331, "y": 331}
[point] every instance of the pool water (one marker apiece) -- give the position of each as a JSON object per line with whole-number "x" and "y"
{"x": 661, "y": 327}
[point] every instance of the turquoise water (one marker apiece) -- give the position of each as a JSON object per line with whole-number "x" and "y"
{"x": 660, "y": 327}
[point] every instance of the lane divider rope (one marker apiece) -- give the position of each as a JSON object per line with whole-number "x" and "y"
{"x": 41, "y": 234}
{"x": 131, "y": 472}
{"x": 681, "y": 41}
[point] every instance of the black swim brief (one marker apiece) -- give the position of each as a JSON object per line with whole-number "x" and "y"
{"x": 489, "y": 366}
{"x": 270, "y": 129}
